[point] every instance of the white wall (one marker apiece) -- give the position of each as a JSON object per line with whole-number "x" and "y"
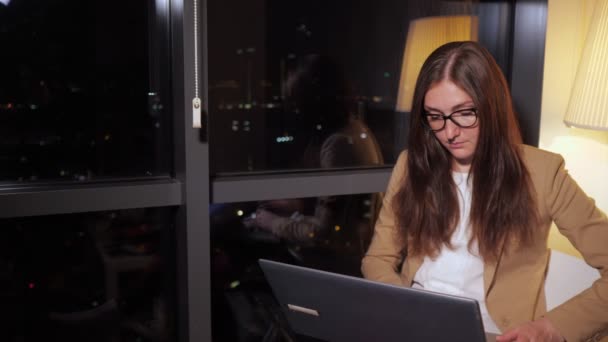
{"x": 585, "y": 151}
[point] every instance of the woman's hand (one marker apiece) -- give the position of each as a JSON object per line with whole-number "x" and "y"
{"x": 541, "y": 330}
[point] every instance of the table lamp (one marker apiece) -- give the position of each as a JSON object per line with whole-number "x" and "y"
{"x": 588, "y": 105}
{"x": 424, "y": 36}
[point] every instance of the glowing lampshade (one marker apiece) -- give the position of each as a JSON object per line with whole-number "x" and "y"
{"x": 588, "y": 106}
{"x": 424, "y": 36}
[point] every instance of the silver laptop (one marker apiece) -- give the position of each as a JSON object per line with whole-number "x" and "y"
{"x": 334, "y": 307}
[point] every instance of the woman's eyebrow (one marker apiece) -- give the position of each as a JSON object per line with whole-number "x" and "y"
{"x": 463, "y": 105}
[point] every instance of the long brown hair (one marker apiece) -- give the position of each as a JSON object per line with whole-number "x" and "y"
{"x": 503, "y": 207}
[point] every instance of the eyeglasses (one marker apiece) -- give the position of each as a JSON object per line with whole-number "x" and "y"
{"x": 462, "y": 118}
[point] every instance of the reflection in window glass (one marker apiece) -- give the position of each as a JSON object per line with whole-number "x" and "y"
{"x": 84, "y": 90}
{"x": 328, "y": 233}
{"x": 297, "y": 83}
{"x": 88, "y": 277}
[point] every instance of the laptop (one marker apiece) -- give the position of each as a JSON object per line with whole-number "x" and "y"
{"x": 335, "y": 307}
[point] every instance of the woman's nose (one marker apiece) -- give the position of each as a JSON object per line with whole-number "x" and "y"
{"x": 452, "y": 130}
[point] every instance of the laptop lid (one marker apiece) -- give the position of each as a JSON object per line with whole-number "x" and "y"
{"x": 335, "y": 307}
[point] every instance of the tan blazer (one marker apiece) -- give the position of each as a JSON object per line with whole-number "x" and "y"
{"x": 514, "y": 285}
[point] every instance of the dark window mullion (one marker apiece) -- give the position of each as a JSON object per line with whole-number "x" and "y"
{"x": 310, "y": 184}
{"x": 50, "y": 200}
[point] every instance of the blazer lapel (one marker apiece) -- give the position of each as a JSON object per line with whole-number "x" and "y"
{"x": 489, "y": 271}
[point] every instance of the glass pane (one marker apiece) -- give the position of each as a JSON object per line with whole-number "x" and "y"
{"x": 106, "y": 276}
{"x": 84, "y": 90}
{"x": 315, "y": 84}
{"x": 328, "y": 233}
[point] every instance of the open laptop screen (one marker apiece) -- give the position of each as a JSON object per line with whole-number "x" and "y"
{"x": 335, "y": 307}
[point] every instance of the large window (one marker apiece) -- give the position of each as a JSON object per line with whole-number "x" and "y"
{"x": 105, "y": 276}
{"x": 90, "y": 217}
{"x": 329, "y": 233}
{"x": 84, "y": 92}
{"x": 315, "y": 84}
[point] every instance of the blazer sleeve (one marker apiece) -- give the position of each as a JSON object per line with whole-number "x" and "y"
{"x": 577, "y": 217}
{"x": 383, "y": 257}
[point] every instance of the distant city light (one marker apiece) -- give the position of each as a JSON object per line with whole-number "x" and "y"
{"x": 239, "y": 212}
{"x": 284, "y": 139}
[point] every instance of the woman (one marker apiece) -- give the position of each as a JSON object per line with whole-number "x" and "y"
{"x": 468, "y": 207}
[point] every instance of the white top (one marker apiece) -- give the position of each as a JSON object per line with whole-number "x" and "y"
{"x": 457, "y": 271}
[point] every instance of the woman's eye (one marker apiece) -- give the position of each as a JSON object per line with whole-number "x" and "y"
{"x": 465, "y": 113}
{"x": 435, "y": 117}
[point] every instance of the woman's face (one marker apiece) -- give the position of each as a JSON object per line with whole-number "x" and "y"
{"x": 445, "y": 98}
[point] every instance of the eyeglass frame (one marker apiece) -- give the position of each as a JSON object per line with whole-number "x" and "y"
{"x": 449, "y": 117}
